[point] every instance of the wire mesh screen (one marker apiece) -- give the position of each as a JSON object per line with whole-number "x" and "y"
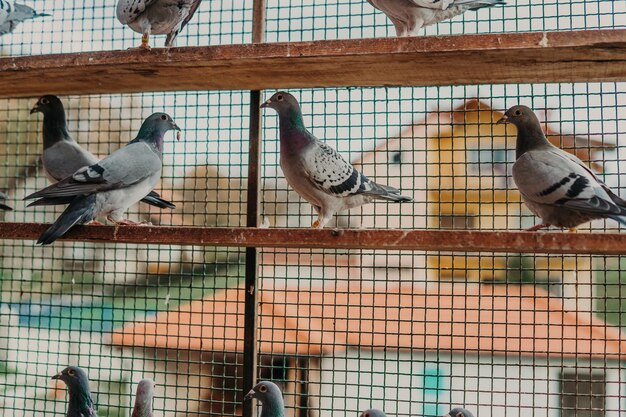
{"x": 414, "y": 333}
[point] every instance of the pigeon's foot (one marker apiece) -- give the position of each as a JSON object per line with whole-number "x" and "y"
{"x": 95, "y": 222}
{"x": 536, "y": 227}
{"x": 572, "y": 230}
{"x": 126, "y": 222}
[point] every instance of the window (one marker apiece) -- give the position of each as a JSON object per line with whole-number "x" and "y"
{"x": 582, "y": 393}
{"x": 433, "y": 387}
{"x": 490, "y": 161}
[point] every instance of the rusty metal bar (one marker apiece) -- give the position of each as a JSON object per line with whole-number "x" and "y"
{"x": 252, "y": 221}
{"x": 568, "y": 56}
{"x": 383, "y": 239}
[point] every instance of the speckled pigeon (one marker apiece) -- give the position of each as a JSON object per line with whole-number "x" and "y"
{"x": 459, "y": 412}
{"x": 80, "y": 403}
{"x": 373, "y": 412}
{"x": 143, "y": 401}
{"x": 316, "y": 171}
{"x": 62, "y": 156}
{"x": 12, "y": 14}
{"x": 270, "y": 397}
{"x": 110, "y": 186}
{"x": 556, "y": 185}
{"x": 158, "y": 17}
{"x": 3, "y": 197}
{"x": 409, "y": 16}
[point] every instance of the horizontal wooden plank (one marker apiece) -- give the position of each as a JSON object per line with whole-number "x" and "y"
{"x": 425, "y": 240}
{"x": 594, "y": 55}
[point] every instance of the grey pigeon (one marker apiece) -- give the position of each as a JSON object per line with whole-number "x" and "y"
{"x": 270, "y": 396}
{"x": 110, "y": 186}
{"x": 316, "y": 171}
{"x": 158, "y": 17}
{"x": 62, "y": 156}
{"x": 12, "y": 14}
{"x": 143, "y": 401}
{"x": 459, "y": 412}
{"x": 3, "y": 197}
{"x": 409, "y": 16}
{"x": 373, "y": 412}
{"x": 556, "y": 185}
{"x": 80, "y": 402}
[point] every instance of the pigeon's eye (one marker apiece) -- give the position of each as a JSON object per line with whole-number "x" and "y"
{"x": 263, "y": 388}
{"x": 517, "y": 113}
{"x": 163, "y": 117}
{"x": 279, "y": 98}
{"x": 366, "y": 414}
{"x": 45, "y": 101}
{"x": 71, "y": 372}
{"x": 460, "y": 414}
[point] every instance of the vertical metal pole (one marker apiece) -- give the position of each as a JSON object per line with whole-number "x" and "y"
{"x": 252, "y": 220}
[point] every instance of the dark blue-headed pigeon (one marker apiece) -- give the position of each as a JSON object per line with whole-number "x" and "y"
{"x": 80, "y": 403}
{"x": 270, "y": 397}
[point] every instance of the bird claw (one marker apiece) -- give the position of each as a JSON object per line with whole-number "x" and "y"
{"x": 126, "y": 222}
{"x": 94, "y": 223}
{"x": 536, "y": 227}
{"x": 572, "y": 230}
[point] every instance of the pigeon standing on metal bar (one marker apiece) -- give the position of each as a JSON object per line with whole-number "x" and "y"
{"x": 158, "y": 17}
{"x": 459, "y": 412}
{"x": 409, "y": 16}
{"x": 556, "y": 185}
{"x": 143, "y": 400}
{"x": 80, "y": 403}
{"x": 316, "y": 171}
{"x": 3, "y": 197}
{"x": 62, "y": 156}
{"x": 12, "y": 14}
{"x": 270, "y": 396}
{"x": 373, "y": 412}
{"x": 110, "y": 186}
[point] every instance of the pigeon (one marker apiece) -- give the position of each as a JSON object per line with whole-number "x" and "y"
{"x": 409, "y": 16}
{"x": 159, "y": 17}
{"x": 316, "y": 171}
{"x": 143, "y": 401}
{"x": 373, "y": 412}
{"x": 459, "y": 412}
{"x": 80, "y": 401}
{"x": 110, "y": 186}
{"x": 12, "y": 14}
{"x": 3, "y": 197}
{"x": 270, "y": 396}
{"x": 62, "y": 156}
{"x": 556, "y": 185}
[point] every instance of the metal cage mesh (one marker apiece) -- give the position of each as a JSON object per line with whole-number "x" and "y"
{"x": 410, "y": 332}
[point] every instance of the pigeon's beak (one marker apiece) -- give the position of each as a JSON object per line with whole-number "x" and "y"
{"x": 250, "y": 393}
{"x": 42, "y": 14}
{"x": 35, "y": 109}
{"x": 57, "y": 376}
{"x": 266, "y": 104}
{"x": 504, "y": 119}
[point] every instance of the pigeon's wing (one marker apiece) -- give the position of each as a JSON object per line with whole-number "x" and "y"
{"x": 433, "y": 4}
{"x": 327, "y": 170}
{"x": 124, "y": 167}
{"x": 553, "y": 177}
{"x": 129, "y": 10}
{"x": 64, "y": 158}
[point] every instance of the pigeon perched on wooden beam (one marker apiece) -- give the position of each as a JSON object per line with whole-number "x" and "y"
{"x": 157, "y": 17}
{"x": 270, "y": 397}
{"x": 409, "y": 16}
{"x": 80, "y": 403}
{"x": 316, "y": 171}
{"x": 12, "y": 14}
{"x": 556, "y": 185}
{"x": 62, "y": 156}
{"x": 110, "y": 186}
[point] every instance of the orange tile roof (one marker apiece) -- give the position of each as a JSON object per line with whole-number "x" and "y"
{"x": 499, "y": 320}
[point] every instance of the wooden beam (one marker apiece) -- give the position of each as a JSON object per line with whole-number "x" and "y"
{"x": 384, "y": 239}
{"x": 586, "y": 56}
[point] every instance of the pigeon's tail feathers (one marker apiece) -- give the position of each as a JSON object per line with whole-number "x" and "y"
{"x": 155, "y": 200}
{"x": 479, "y": 4}
{"x": 51, "y": 201}
{"x": 81, "y": 210}
{"x": 385, "y": 192}
{"x": 5, "y": 207}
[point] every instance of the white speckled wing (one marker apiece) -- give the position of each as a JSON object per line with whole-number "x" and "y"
{"x": 129, "y": 10}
